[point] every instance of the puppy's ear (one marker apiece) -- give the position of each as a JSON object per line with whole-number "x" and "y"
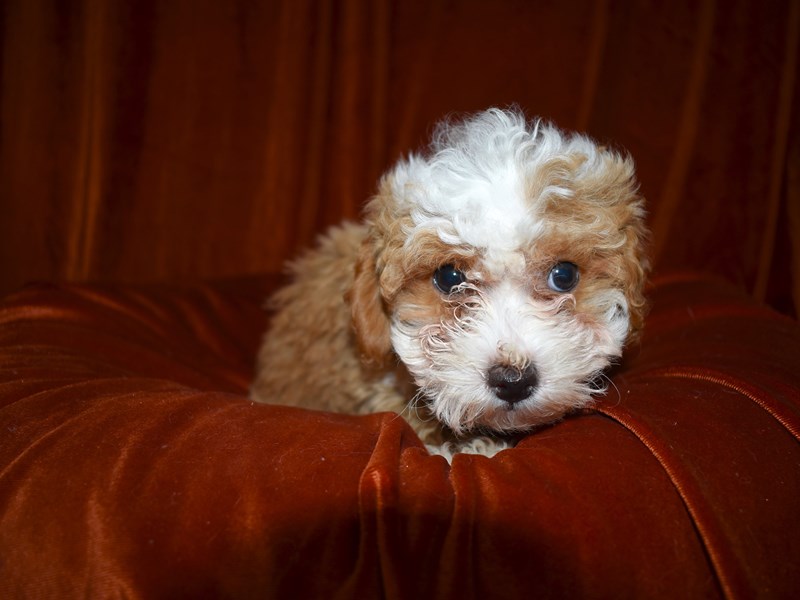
{"x": 616, "y": 181}
{"x": 637, "y": 268}
{"x": 368, "y": 312}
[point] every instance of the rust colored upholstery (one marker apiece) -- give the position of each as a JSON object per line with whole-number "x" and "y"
{"x": 133, "y": 465}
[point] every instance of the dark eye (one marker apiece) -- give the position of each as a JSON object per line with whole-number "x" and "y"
{"x": 447, "y": 277}
{"x": 563, "y": 277}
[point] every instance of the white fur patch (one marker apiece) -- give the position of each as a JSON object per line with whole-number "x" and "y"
{"x": 474, "y": 189}
{"x": 449, "y": 361}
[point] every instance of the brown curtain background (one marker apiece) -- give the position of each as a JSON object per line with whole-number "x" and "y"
{"x": 179, "y": 140}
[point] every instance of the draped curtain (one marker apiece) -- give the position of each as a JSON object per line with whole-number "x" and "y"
{"x": 196, "y": 139}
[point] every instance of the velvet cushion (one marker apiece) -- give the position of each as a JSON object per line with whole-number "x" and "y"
{"x": 132, "y": 464}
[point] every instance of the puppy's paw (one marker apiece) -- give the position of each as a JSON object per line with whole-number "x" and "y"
{"x": 485, "y": 446}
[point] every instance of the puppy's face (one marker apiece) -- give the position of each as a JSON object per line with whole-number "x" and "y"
{"x": 505, "y": 270}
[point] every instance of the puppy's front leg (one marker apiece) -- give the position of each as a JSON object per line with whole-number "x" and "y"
{"x": 485, "y": 446}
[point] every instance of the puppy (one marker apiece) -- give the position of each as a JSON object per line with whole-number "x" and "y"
{"x": 493, "y": 280}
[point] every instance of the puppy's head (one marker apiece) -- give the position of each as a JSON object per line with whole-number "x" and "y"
{"x": 504, "y": 268}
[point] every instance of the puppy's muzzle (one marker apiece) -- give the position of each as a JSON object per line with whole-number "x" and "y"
{"x": 512, "y": 384}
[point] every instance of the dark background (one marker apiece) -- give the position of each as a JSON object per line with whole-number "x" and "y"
{"x": 151, "y": 140}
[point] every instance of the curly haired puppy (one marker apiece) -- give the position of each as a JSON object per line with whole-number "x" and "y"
{"x": 493, "y": 280}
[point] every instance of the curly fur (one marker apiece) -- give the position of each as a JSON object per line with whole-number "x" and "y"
{"x": 362, "y": 328}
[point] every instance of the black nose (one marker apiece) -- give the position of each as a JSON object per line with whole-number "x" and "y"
{"x": 512, "y": 384}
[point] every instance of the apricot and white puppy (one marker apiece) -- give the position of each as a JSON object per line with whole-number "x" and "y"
{"x": 492, "y": 282}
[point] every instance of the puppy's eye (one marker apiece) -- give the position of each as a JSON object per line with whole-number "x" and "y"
{"x": 563, "y": 277}
{"x": 447, "y": 277}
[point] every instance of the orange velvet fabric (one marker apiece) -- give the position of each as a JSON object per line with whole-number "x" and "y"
{"x": 190, "y": 139}
{"x": 133, "y": 465}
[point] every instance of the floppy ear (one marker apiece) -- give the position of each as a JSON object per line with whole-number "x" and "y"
{"x": 368, "y": 311}
{"x": 636, "y": 267}
{"x": 617, "y": 181}
{"x": 635, "y": 249}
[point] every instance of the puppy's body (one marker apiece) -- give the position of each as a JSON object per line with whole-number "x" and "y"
{"x": 309, "y": 357}
{"x": 491, "y": 283}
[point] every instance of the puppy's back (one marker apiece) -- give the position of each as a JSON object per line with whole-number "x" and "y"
{"x": 307, "y": 357}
